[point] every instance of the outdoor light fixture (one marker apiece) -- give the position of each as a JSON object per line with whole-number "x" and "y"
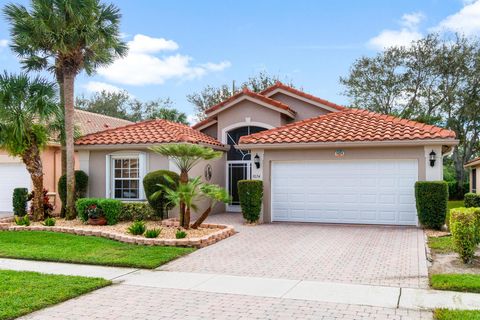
{"x": 433, "y": 157}
{"x": 256, "y": 160}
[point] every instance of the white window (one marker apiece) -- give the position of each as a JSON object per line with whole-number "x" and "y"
{"x": 126, "y": 172}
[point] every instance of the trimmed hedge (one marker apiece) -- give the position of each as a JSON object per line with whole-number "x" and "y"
{"x": 111, "y": 208}
{"x": 150, "y": 184}
{"x": 132, "y": 211}
{"x": 251, "y": 195}
{"x": 472, "y": 200}
{"x": 81, "y": 185}
{"x": 432, "y": 200}
{"x": 19, "y": 201}
{"x": 465, "y": 229}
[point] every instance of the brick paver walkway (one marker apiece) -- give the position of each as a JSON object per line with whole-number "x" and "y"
{"x": 379, "y": 255}
{"x": 134, "y": 302}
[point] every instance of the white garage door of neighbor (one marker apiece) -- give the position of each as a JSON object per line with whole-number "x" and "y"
{"x": 12, "y": 175}
{"x": 363, "y": 192}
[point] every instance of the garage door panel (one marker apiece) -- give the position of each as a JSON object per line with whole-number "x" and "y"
{"x": 373, "y": 191}
{"x": 12, "y": 175}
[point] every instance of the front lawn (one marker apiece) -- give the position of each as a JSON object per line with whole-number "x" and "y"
{"x": 51, "y": 246}
{"x": 446, "y": 314}
{"x": 24, "y": 292}
{"x": 456, "y": 282}
{"x": 441, "y": 244}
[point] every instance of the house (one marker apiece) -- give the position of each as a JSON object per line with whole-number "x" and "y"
{"x": 319, "y": 161}
{"x": 15, "y": 175}
{"x": 473, "y": 165}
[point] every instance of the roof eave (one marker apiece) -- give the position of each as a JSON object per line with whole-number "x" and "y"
{"x": 204, "y": 125}
{"x": 132, "y": 146}
{"x": 473, "y": 163}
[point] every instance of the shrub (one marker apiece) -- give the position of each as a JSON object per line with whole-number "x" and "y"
{"x": 111, "y": 208}
{"x": 151, "y": 184}
{"x": 49, "y": 222}
{"x": 152, "y": 233}
{"x": 180, "y": 234}
{"x": 464, "y": 227}
{"x": 47, "y": 206}
{"x": 472, "y": 200}
{"x": 22, "y": 221}
{"x": 81, "y": 185}
{"x": 457, "y": 191}
{"x": 132, "y": 211}
{"x": 137, "y": 228}
{"x": 251, "y": 196}
{"x": 432, "y": 200}
{"x": 19, "y": 201}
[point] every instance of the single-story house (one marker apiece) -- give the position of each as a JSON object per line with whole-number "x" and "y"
{"x": 14, "y": 174}
{"x": 474, "y": 165}
{"x": 319, "y": 161}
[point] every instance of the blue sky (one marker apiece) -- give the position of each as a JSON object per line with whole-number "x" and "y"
{"x": 178, "y": 47}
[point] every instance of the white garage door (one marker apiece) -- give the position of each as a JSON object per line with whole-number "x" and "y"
{"x": 366, "y": 192}
{"x": 12, "y": 175}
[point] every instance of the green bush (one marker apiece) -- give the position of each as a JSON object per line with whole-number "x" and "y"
{"x": 457, "y": 191}
{"x": 472, "y": 200}
{"x": 152, "y": 233}
{"x": 464, "y": 226}
{"x": 432, "y": 201}
{"x": 132, "y": 211}
{"x": 19, "y": 201}
{"x": 251, "y": 195}
{"x": 137, "y": 228}
{"x": 111, "y": 208}
{"x": 49, "y": 222}
{"x": 150, "y": 184}
{"x": 81, "y": 185}
{"x": 180, "y": 234}
{"x": 22, "y": 221}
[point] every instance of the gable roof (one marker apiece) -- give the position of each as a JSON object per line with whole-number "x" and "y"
{"x": 89, "y": 122}
{"x": 278, "y": 86}
{"x": 350, "y": 125}
{"x": 245, "y": 94}
{"x": 148, "y": 132}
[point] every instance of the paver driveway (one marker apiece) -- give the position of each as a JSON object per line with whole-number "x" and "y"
{"x": 380, "y": 255}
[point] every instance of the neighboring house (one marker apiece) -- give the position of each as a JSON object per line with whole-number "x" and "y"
{"x": 14, "y": 175}
{"x": 320, "y": 162}
{"x": 474, "y": 165}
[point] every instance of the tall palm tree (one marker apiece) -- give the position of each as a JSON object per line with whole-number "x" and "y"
{"x": 26, "y": 109}
{"x": 185, "y": 157}
{"x": 66, "y": 37}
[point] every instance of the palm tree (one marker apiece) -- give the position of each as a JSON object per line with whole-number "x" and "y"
{"x": 215, "y": 194}
{"x": 185, "y": 157}
{"x": 75, "y": 35}
{"x": 26, "y": 108}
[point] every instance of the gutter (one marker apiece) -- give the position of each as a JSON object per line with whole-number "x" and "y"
{"x": 141, "y": 146}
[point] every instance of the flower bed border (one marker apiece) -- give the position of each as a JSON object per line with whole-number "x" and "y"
{"x": 201, "y": 242}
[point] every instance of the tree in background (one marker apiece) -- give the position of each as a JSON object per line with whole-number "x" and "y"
{"x": 26, "y": 109}
{"x": 77, "y": 35}
{"x": 210, "y": 96}
{"x": 435, "y": 80}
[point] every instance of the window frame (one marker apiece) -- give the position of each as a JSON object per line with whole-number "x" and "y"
{"x": 110, "y": 174}
{"x": 474, "y": 180}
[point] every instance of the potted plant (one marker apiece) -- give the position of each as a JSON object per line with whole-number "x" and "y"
{"x": 95, "y": 216}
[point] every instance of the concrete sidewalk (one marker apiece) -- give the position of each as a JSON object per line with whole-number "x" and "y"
{"x": 353, "y": 294}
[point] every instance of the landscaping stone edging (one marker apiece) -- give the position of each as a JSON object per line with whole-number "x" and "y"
{"x": 225, "y": 232}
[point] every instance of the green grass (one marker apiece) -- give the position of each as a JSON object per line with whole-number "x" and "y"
{"x": 441, "y": 244}
{"x": 51, "y": 246}
{"x": 24, "y": 292}
{"x": 456, "y": 282}
{"x": 453, "y": 204}
{"x": 445, "y": 314}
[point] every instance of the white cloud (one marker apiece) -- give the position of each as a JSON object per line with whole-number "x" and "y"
{"x": 192, "y": 119}
{"x": 3, "y": 43}
{"x": 403, "y": 37}
{"x": 466, "y": 21}
{"x": 144, "y": 65}
{"x": 96, "y": 86}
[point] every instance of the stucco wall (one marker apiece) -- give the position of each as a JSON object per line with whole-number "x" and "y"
{"x": 416, "y": 153}
{"x": 212, "y": 131}
{"x": 303, "y": 109}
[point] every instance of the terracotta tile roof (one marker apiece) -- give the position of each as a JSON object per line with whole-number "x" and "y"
{"x": 203, "y": 122}
{"x": 148, "y": 132}
{"x": 89, "y": 122}
{"x": 351, "y": 125}
{"x": 279, "y": 85}
{"x": 254, "y": 95}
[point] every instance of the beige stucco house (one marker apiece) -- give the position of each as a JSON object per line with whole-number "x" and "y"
{"x": 319, "y": 162}
{"x": 474, "y": 165}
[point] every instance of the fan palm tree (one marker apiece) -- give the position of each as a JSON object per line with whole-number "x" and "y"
{"x": 185, "y": 157}
{"x": 214, "y": 193}
{"x": 66, "y": 37}
{"x": 26, "y": 109}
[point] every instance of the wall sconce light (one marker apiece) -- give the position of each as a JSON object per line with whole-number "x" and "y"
{"x": 433, "y": 157}
{"x": 256, "y": 160}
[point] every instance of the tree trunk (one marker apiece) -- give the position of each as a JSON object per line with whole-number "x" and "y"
{"x": 184, "y": 212}
{"x": 186, "y": 219}
{"x": 33, "y": 162}
{"x": 202, "y": 218}
{"x": 59, "y": 77}
{"x": 68, "y": 86}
